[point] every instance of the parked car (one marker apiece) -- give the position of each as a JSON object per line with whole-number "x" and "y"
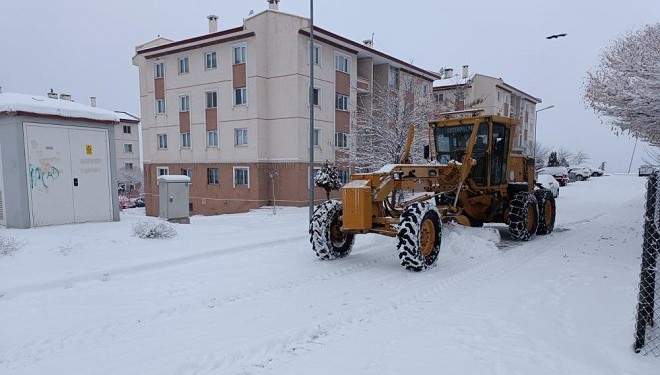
{"x": 125, "y": 203}
{"x": 559, "y": 173}
{"x": 547, "y": 181}
{"x": 597, "y": 172}
{"x": 581, "y": 173}
{"x": 646, "y": 170}
{"x": 139, "y": 202}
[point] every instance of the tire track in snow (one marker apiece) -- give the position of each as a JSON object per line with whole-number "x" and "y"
{"x": 43, "y": 348}
{"x": 140, "y": 268}
{"x": 260, "y": 355}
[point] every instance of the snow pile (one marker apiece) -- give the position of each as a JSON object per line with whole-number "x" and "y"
{"x": 12, "y": 102}
{"x": 469, "y": 242}
{"x": 9, "y": 245}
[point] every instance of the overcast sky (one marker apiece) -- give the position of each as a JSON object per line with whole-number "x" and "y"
{"x": 84, "y": 48}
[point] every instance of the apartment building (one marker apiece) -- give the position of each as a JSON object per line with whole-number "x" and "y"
{"x": 127, "y": 144}
{"x": 230, "y": 109}
{"x": 494, "y": 96}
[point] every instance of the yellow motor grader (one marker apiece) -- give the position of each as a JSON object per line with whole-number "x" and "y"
{"x": 475, "y": 176}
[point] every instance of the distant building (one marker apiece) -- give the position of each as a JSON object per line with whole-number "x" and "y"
{"x": 57, "y": 161}
{"x": 494, "y": 96}
{"x": 127, "y": 143}
{"x": 230, "y": 108}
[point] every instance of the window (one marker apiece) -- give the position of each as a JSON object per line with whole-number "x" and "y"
{"x": 240, "y": 96}
{"x": 211, "y": 61}
{"x": 408, "y": 83}
{"x": 187, "y": 172}
{"x": 184, "y": 103}
{"x": 240, "y": 137}
{"x": 162, "y": 171}
{"x": 160, "y": 106}
{"x": 162, "y": 141}
{"x": 239, "y": 54}
{"x": 316, "y": 55}
{"x": 128, "y": 165}
{"x": 127, "y": 129}
{"x": 343, "y": 176}
{"x": 341, "y": 140}
{"x": 212, "y": 138}
{"x": 317, "y": 96}
{"x": 439, "y": 98}
{"x": 128, "y": 148}
{"x": 425, "y": 89}
{"x": 393, "y": 77}
{"x": 184, "y": 65}
{"x": 211, "y": 99}
{"x": 212, "y": 176}
{"x": 185, "y": 140}
{"x": 341, "y": 63}
{"x": 316, "y": 138}
{"x": 341, "y": 102}
{"x": 241, "y": 176}
{"x": 159, "y": 69}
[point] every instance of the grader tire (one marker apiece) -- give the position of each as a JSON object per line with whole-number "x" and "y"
{"x": 547, "y": 211}
{"x": 419, "y": 235}
{"x": 328, "y": 241}
{"x": 523, "y": 216}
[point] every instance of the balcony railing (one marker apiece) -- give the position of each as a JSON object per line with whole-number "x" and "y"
{"x": 363, "y": 86}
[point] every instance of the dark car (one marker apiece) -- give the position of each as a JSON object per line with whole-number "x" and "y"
{"x": 139, "y": 202}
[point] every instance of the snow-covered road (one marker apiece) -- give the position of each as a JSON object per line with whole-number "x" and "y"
{"x": 244, "y": 294}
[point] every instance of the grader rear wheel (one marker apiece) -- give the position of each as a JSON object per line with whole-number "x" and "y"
{"x": 523, "y": 216}
{"x": 420, "y": 235}
{"x": 547, "y": 211}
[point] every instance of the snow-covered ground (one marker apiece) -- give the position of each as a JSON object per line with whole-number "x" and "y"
{"x": 245, "y": 294}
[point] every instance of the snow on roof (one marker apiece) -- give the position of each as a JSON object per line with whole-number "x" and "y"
{"x": 13, "y": 102}
{"x": 125, "y": 116}
{"x": 447, "y": 82}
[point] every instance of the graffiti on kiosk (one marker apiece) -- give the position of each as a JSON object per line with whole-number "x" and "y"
{"x": 42, "y": 175}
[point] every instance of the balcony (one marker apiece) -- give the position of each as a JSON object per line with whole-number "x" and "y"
{"x": 363, "y": 86}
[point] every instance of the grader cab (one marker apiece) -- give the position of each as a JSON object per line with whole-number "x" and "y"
{"x": 474, "y": 177}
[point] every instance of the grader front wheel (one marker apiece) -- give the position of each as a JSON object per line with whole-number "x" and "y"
{"x": 419, "y": 235}
{"x": 328, "y": 241}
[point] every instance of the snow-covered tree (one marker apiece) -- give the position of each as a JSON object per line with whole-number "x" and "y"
{"x": 580, "y": 157}
{"x": 327, "y": 178}
{"x": 379, "y": 132}
{"x": 565, "y": 155}
{"x": 602, "y": 166}
{"x": 272, "y": 173}
{"x": 131, "y": 176}
{"x": 623, "y": 89}
{"x": 552, "y": 159}
{"x": 563, "y": 163}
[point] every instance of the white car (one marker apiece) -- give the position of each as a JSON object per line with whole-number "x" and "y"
{"x": 581, "y": 173}
{"x": 547, "y": 181}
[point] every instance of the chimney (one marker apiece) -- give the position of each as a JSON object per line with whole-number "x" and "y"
{"x": 449, "y": 73}
{"x": 52, "y": 94}
{"x": 92, "y": 101}
{"x": 66, "y": 97}
{"x": 272, "y": 4}
{"x": 368, "y": 42}
{"x": 465, "y": 71}
{"x": 213, "y": 23}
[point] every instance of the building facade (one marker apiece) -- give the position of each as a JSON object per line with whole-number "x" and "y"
{"x": 230, "y": 109}
{"x": 127, "y": 144}
{"x": 494, "y": 96}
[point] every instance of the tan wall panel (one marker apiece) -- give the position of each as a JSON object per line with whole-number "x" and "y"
{"x": 239, "y": 75}
{"x": 184, "y": 122}
{"x": 342, "y": 121}
{"x": 342, "y": 83}
{"x": 159, "y": 87}
{"x": 211, "y": 119}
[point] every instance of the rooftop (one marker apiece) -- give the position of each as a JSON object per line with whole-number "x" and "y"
{"x": 24, "y": 104}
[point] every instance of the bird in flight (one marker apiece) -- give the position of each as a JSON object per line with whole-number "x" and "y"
{"x": 555, "y": 36}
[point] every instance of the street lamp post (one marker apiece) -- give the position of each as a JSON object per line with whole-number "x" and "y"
{"x": 535, "y": 122}
{"x": 311, "y": 109}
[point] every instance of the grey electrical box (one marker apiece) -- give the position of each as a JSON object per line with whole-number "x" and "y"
{"x": 173, "y": 201}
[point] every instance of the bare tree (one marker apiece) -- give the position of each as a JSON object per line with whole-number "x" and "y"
{"x": 623, "y": 88}
{"x": 380, "y": 129}
{"x": 541, "y": 153}
{"x": 580, "y": 157}
{"x": 563, "y": 155}
{"x": 130, "y": 176}
{"x": 272, "y": 173}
